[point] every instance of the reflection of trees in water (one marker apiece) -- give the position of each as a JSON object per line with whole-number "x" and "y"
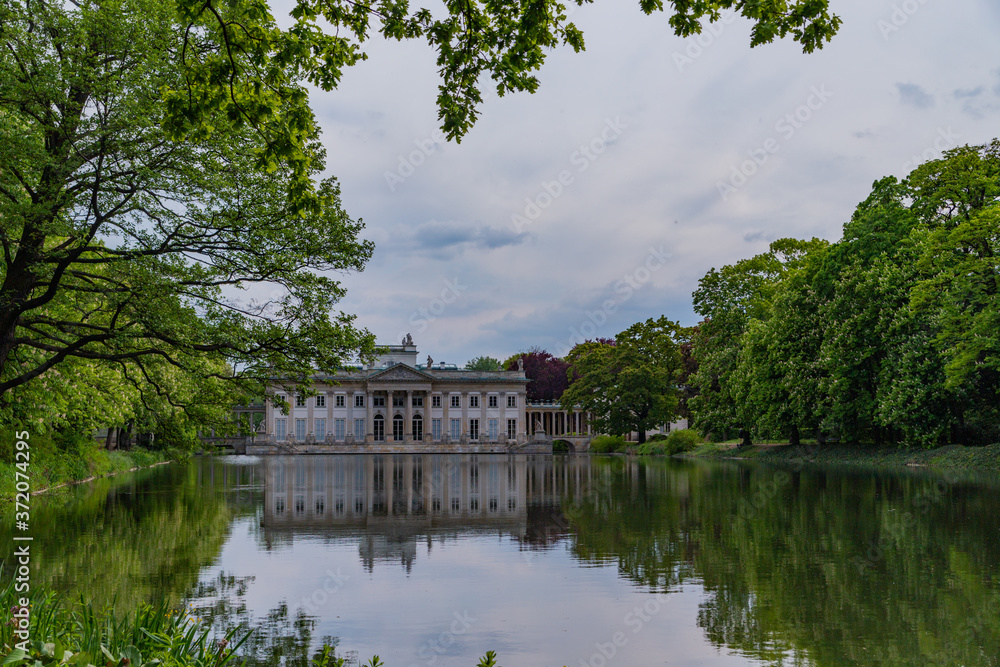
{"x": 278, "y": 638}
{"x": 139, "y": 537}
{"x": 545, "y": 525}
{"x": 821, "y": 567}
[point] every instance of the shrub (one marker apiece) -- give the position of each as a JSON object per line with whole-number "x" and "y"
{"x": 606, "y": 444}
{"x": 683, "y": 440}
{"x": 653, "y": 447}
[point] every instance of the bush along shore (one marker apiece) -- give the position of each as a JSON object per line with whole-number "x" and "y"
{"x": 950, "y": 456}
{"x": 688, "y": 443}
{"x": 47, "y": 632}
{"x": 57, "y": 459}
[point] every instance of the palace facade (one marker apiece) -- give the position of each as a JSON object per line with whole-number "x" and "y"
{"x": 396, "y": 404}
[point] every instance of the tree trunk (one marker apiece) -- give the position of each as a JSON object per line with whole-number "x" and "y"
{"x": 745, "y": 438}
{"x": 109, "y": 441}
{"x": 793, "y": 437}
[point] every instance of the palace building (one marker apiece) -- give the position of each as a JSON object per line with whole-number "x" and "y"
{"x": 397, "y": 404}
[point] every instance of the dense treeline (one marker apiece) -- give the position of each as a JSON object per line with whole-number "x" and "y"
{"x": 890, "y": 335}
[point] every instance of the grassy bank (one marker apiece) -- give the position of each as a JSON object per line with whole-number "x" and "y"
{"x": 951, "y": 456}
{"x": 54, "y": 460}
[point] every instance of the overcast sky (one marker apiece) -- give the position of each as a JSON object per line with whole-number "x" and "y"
{"x": 640, "y": 164}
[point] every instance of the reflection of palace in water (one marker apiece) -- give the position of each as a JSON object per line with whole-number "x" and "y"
{"x": 392, "y": 500}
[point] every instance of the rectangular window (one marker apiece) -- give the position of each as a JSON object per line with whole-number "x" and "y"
{"x": 511, "y": 400}
{"x": 493, "y": 401}
{"x": 359, "y": 400}
{"x": 378, "y": 401}
{"x": 300, "y": 429}
{"x": 280, "y": 427}
{"x": 320, "y": 429}
{"x": 300, "y": 401}
{"x": 418, "y": 401}
{"x": 435, "y": 401}
{"x": 436, "y": 429}
{"x": 398, "y": 401}
{"x": 281, "y": 397}
{"x": 339, "y": 401}
{"x": 456, "y": 401}
{"x": 339, "y": 426}
{"x": 512, "y": 429}
{"x": 456, "y": 429}
{"x": 474, "y": 400}
{"x": 494, "y": 426}
{"x": 321, "y": 400}
{"x": 473, "y": 429}
{"x": 359, "y": 429}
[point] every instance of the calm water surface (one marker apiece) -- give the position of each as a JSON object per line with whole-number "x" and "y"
{"x": 550, "y": 561}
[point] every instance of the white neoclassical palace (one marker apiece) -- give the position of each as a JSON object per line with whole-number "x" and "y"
{"x": 396, "y": 404}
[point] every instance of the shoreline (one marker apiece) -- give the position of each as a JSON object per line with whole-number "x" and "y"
{"x": 113, "y": 473}
{"x": 958, "y": 457}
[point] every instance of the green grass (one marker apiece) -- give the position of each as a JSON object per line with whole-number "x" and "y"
{"x": 77, "y": 633}
{"x": 55, "y": 460}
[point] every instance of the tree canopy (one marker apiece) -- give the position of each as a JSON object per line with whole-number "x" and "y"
{"x": 482, "y": 363}
{"x": 127, "y": 249}
{"x": 546, "y": 372}
{"x": 632, "y": 385}
{"x": 889, "y": 335}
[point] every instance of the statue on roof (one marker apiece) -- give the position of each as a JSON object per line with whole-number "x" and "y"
{"x": 520, "y": 364}
{"x": 408, "y": 340}
{"x": 430, "y": 362}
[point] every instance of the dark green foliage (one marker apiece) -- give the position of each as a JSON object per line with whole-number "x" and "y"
{"x": 631, "y": 384}
{"x": 891, "y": 335}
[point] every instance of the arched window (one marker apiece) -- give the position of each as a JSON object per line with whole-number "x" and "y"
{"x": 418, "y": 428}
{"x": 397, "y": 428}
{"x": 378, "y": 426}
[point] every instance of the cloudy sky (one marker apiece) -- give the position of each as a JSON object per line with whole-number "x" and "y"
{"x": 600, "y": 200}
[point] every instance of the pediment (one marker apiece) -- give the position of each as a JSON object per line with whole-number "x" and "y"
{"x": 400, "y": 373}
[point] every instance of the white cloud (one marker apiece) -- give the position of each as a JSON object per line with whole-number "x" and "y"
{"x": 656, "y": 183}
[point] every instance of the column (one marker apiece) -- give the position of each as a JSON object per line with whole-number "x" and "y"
{"x": 330, "y": 400}
{"x": 390, "y": 409}
{"x": 445, "y": 424}
{"x": 310, "y": 421}
{"x": 369, "y": 419}
{"x": 349, "y": 426}
{"x": 465, "y": 417}
{"x": 484, "y": 431}
{"x": 502, "y": 424}
{"x": 522, "y": 419}
{"x": 408, "y": 418}
{"x": 268, "y": 418}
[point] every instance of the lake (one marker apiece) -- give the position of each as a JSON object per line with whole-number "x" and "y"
{"x": 547, "y": 560}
